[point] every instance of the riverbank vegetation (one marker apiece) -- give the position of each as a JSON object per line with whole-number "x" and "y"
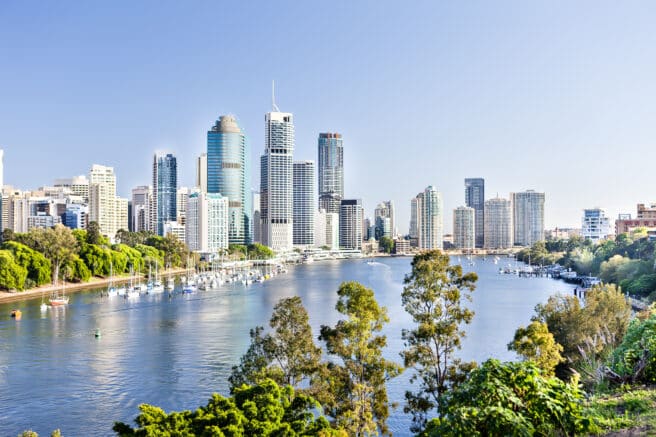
{"x": 43, "y": 256}
{"x": 629, "y": 261}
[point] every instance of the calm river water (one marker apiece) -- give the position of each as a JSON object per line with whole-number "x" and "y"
{"x": 175, "y": 352}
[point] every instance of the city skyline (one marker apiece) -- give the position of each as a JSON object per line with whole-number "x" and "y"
{"x": 536, "y": 103}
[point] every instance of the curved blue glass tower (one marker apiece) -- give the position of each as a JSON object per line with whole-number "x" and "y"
{"x": 228, "y": 174}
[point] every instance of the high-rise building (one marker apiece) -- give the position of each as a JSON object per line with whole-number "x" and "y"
{"x": 276, "y": 182}
{"x": 595, "y": 224}
{"x": 76, "y": 216}
{"x": 201, "y": 172}
{"x": 102, "y": 199}
{"x": 429, "y": 219}
{"x": 326, "y": 230}
{"x": 178, "y": 230}
{"x": 464, "y": 227}
{"x": 528, "y": 217}
{"x": 207, "y": 224}
{"x": 385, "y": 228}
{"x": 228, "y": 173}
{"x": 475, "y": 198}
{"x": 498, "y": 224}
{"x": 79, "y": 186}
{"x": 122, "y": 218}
{"x": 165, "y": 186}
{"x": 414, "y": 215}
{"x": 257, "y": 220}
{"x": 304, "y": 206}
{"x": 350, "y": 224}
{"x": 181, "y": 203}
{"x": 142, "y": 197}
{"x": 331, "y": 171}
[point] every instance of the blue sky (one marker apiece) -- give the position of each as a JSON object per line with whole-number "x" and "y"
{"x": 556, "y": 96}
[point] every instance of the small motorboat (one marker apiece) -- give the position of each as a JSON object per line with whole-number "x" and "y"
{"x": 16, "y": 314}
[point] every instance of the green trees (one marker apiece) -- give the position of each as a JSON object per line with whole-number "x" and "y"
{"x": 351, "y": 389}
{"x": 259, "y": 251}
{"x": 586, "y": 332}
{"x": 535, "y": 343}
{"x": 287, "y": 355}
{"x": 358, "y": 379}
{"x": 58, "y": 244}
{"x": 634, "y": 360}
{"x": 386, "y": 244}
{"x": 12, "y": 275}
{"x": 38, "y": 267}
{"x": 433, "y": 296}
{"x": 93, "y": 234}
{"x": 264, "y": 409}
{"x": 512, "y": 399}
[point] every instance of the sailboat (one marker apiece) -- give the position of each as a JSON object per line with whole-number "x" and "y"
{"x": 111, "y": 290}
{"x": 43, "y": 307}
{"x": 57, "y": 300}
{"x": 156, "y": 286}
{"x": 191, "y": 284}
{"x": 133, "y": 290}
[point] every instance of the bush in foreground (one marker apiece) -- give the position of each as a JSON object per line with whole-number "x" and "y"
{"x": 265, "y": 409}
{"x": 512, "y": 399}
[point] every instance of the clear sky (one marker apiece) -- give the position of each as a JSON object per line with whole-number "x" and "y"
{"x": 556, "y": 96}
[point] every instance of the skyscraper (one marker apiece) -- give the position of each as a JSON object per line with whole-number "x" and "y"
{"x": 276, "y": 181}
{"x": 304, "y": 206}
{"x": 142, "y": 197}
{"x": 498, "y": 224}
{"x": 528, "y": 217}
{"x": 385, "y": 228}
{"x": 414, "y": 215}
{"x": 350, "y": 224}
{"x": 331, "y": 171}
{"x": 475, "y": 198}
{"x": 228, "y": 173}
{"x": 464, "y": 227}
{"x": 165, "y": 186}
{"x": 102, "y": 199}
{"x": 429, "y": 219}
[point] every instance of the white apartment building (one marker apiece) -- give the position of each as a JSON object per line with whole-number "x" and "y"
{"x": 206, "y": 228}
{"x": 595, "y": 224}
{"x": 429, "y": 219}
{"x": 102, "y": 199}
{"x": 464, "y": 227}
{"x": 528, "y": 217}
{"x": 498, "y": 224}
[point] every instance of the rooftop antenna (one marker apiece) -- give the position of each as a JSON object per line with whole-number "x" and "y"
{"x": 273, "y": 96}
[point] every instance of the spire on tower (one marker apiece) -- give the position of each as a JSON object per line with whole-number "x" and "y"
{"x": 273, "y": 96}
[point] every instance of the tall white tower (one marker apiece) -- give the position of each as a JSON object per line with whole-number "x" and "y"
{"x": 276, "y": 181}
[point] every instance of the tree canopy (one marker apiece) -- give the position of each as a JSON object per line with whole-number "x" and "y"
{"x": 265, "y": 409}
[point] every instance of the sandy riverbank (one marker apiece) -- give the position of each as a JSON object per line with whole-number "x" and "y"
{"x": 35, "y": 293}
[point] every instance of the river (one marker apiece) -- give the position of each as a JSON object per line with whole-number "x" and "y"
{"x": 175, "y": 352}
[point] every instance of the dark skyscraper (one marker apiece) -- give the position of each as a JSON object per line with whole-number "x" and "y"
{"x": 165, "y": 187}
{"x": 475, "y": 198}
{"x": 331, "y": 171}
